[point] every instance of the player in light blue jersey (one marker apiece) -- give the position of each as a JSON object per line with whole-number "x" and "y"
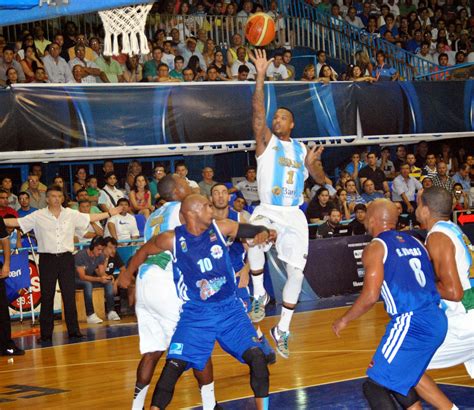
{"x": 213, "y": 312}
{"x": 283, "y": 164}
{"x": 398, "y": 268}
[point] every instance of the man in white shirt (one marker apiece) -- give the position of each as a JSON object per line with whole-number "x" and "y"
{"x": 54, "y": 228}
{"x": 56, "y": 67}
{"x": 277, "y": 71}
{"x": 248, "y": 187}
{"x": 353, "y": 19}
{"x": 90, "y": 70}
{"x": 124, "y": 225}
{"x": 321, "y": 55}
{"x": 404, "y": 189}
{"x": 241, "y": 53}
{"x": 109, "y": 195}
{"x": 182, "y": 171}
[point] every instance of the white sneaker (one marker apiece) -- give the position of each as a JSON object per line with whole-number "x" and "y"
{"x": 112, "y": 315}
{"x": 94, "y": 319}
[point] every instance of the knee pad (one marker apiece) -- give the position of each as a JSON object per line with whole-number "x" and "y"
{"x": 259, "y": 374}
{"x": 293, "y": 285}
{"x": 378, "y": 396}
{"x": 164, "y": 389}
{"x": 407, "y": 401}
{"x": 256, "y": 258}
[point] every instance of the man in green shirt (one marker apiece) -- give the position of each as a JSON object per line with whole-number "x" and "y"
{"x": 177, "y": 72}
{"x": 112, "y": 69}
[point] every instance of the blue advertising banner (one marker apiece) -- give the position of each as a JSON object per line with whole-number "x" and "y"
{"x": 19, "y": 277}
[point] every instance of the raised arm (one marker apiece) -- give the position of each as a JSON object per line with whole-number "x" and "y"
{"x": 260, "y": 130}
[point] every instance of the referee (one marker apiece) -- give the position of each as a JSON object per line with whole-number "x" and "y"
{"x": 54, "y": 228}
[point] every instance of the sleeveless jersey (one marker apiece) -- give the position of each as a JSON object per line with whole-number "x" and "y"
{"x": 204, "y": 263}
{"x": 409, "y": 280}
{"x": 463, "y": 259}
{"x": 281, "y": 173}
{"x": 236, "y": 248}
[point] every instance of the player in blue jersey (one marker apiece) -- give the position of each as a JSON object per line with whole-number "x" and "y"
{"x": 158, "y": 304}
{"x": 283, "y": 165}
{"x": 213, "y": 311}
{"x": 238, "y": 256}
{"x": 397, "y": 266}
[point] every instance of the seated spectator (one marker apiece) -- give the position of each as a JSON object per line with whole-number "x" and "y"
{"x": 81, "y": 40}
{"x": 353, "y": 197}
{"x": 318, "y": 210}
{"x": 35, "y": 169}
{"x": 243, "y": 73}
{"x": 426, "y": 182}
{"x": 168, "y": 54}
{"x": 191, "y": 51}
{"x": 133, "y": 72}
{"x": 239, "y": 206}
{"x": 385, "y": 164}
{"x": 8, "y": 61}
{"x": 164, "y": 75}
{"x": 341, "y": 203}
{"x": 14, "y": 234}
{"x": 207, "y": 181}
{"x": 40, "y": 76}
{"x": 109, "y": 195}
{"x": 134, "y": 168}
{"x": 370, "y": 194}
{"x": 4, "y": 208}
{"x": 37, "y": 197}
{"x": 389, "y": 25}
{"x": 326, "y": 74}
{"x": 112, "y": 71}
{"x": 241, "y": 60}
{"x": 57, "y": 69}
{"x": 209, "y": 51}
{"x": 82, "y": 196}
{"x": 78, "y": 74}
{"x": 90, "y": 71}
{"x": 199, "y": 73}
{"x": 362, "y": 60}
{"x": 357, "y": 225}
{"x": 24, "y": 201}
{"x": 309, "y": 73}
{"x": 94, "y": 229}
{"x": 177, "y": 72}
{"x": 460, "y": 198}
{"x": 355, "y": 166}
{"x": 90, "y": 273}
{"x": 248, "y": 187}
{"x": 355, "y": 74}
{"x": 461, "y": 177}
{"x": 401, "y": 157}
{"x": 124, "y": 225}
{"x": 212, "y": 74}
{"x": 30, "y": 63}
{"x": 188, "y": 75}
{"x": 448, "y": 158}
{"x": 383, "y": 71}
{"x": 328, "y": 228}
{"x": 375, "y": 173}
{"x": 321, "y": 56}
{"x": 405, "y": 221}
{"x": 442, "y": 179}
{"x": 224, "y": 70}
{"x": 12, "y": 76}
{"x": 159, "y": 172}
{"x": 315, "y": 187}
{"x": 430, "y": 168}
{"x": 140, "y": 197}
{"x": 443, "y": 64}
{"x": 80, "y": 178}
{"x": 276, "y": 70}
{"x": 344, "y": 176}
{"x": 421, "y": 153}
{"x": 404, "y": 189}
{"x": 12, "y": 198}
{"x": 353, "y": 19}
{"x": 150, "y": 68}
{"x": 182, "y": 170}
{"x": 287, "y": 56}
{"x": 236, "y": 42}
{"x": 415, "y": 172}
{"x": 59, "y": 181}
{"x": 92, "y": 189}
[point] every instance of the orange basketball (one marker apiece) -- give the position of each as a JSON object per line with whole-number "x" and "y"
{"x": 260, "y": 29}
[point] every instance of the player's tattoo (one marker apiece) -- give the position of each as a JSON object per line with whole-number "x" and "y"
{"x": 258, "y": 117}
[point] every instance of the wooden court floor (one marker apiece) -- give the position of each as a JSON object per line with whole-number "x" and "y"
{"x": 101, "y": 374}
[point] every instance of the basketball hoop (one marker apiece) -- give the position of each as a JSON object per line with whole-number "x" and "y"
{"x": 129, "y": 22}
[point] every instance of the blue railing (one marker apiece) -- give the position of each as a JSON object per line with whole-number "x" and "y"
{"x": 456, "y": 72}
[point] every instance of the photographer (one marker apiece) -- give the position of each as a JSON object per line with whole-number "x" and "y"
{"x": 460, "y": 198}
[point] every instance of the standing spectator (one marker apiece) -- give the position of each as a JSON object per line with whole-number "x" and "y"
{"x": 207, "y": 181}
{"x": 385, "y": 164}
{"x": 111, "y": 70}
{"x": 122, "y": 226}
{"x": 4, "y": 207}
{"x": 158, "y": 173}
{"x": 248, "y": 187}
{"x": 370, "y": 194}
{"x": 353, "y": 197}
{"x": 90, "y": 269}
{"x": 8, "y": 61}
{"x": 54, "y": 229}
{"x": 57, "y": 69}
{"x": 182, "y": 170}
{"x": 375, "y": 173}
{"x": 384, "y": 71}
{"x": 37, "y": 197}
{"x": 133, "y": 72}
{"x": 401, "y": 157}
{"x": 430, "y": 168}
{"x": 24, "y": 201}
{"x": 109, "y": 195}
{"x": 357, "y": 225}
{"x": 415, "y": 172}
{"x": 442, "y": 179}
{"x": 140, "y": 196}
{"x": 327, "y": 229}
{"x": 404, "y": 189}
{"x": 287, "y": 55}
{"x": 276, "y": 70}
{"x": 12, "y": 198}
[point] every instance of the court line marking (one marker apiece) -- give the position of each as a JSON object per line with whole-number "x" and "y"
{"x": 458, "y": 385}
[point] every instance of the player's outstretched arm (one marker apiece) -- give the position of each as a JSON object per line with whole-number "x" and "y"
{"x": 314, "y": 164}
{"x": 260, "y": 130}
{"x": 372, "y": 258}
{"x": 443, "y": 257}
{"x": 259, "y": 234}
{"x": 158, "y": 244}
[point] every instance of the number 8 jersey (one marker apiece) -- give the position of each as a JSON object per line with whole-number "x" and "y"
{"x": 281, "y": 173}
{"x": 409, "y": 280}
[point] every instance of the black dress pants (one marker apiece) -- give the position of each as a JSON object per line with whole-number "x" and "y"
{"x": 5, "y": 326}
{"x": 53, "y": 267}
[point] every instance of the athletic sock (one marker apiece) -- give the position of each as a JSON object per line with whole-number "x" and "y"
{"x": 284, "y": 323}
{"x": 139, "y": 396}
{"x": 207, "y": 396}
{"x": 258, "y": 288}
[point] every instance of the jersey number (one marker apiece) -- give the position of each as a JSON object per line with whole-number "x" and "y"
{"x": 205, "y": 265}
{"x": 415, "y": 265}
{"x": 289, "y": 181}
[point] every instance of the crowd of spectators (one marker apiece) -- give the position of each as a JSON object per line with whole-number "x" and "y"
{"x": 182, "y": 48}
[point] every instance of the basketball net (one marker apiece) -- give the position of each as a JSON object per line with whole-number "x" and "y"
{"x": 129, "y": 22}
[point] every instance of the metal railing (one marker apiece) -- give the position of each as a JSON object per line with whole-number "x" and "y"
{"x": 456, "y": 72}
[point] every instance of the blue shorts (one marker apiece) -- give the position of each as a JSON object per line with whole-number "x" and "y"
{"x": 244, "y": 295}
{"x": 201, "y": 325}
{"x": 410, "y": 341}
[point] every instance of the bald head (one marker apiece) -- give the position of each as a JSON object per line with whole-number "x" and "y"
{"x": 193, "y": 203}
{"x": 382, "y": 214}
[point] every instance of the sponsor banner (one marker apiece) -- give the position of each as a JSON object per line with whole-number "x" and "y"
{"x": 19, "y": 277}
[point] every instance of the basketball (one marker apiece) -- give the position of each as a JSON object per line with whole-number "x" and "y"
{"x": 260, "y": 29}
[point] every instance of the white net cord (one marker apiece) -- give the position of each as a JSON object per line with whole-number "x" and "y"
{"x": 129, "y": 22}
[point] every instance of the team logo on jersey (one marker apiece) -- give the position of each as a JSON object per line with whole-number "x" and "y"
{"x": 400, "y": 238}
{"x": 217, "y": 252}
{"x": 276, "y": 190}
{"x": 176, "y": 348}
{"x": 212, "y": 235}
{"x": 182, "y": 242}
{"x": 275, "y": 148}
{"x": 210, "y": 287}
{"x": 156, "y": 222}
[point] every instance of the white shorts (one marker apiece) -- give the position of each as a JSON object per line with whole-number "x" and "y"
{"x": 458, "y": 346}
{"x": 157, "y": 307}
{"x": 292, "y": 231}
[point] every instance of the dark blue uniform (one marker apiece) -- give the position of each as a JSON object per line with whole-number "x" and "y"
{"x": 418, "y": 326}
{"x": 213, "y": 312}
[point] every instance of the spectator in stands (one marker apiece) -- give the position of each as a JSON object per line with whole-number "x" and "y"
{"x": 140, "y": 197}
{"x": 80, "y": 178}
{"x": 212, "y": 74}
{"x": 341, "y": 203}
{"x": 159, "y": 171}
{"x": 6, "y": 185}
{"x": 134, "y": 168}
{"x": 309, "y": 73}
{"x": 425, "y": 54}
{"x": 112, "y": 71}
{"x": 4, "y": 208}
{"x": 324, "y": 6}
{"x": 182, "y": 170}
{"x": 70, "y": 35}
{"x": 107, "y": 166}
{"x": 150, "y": 68}
{"x": 37, "y": 197}
{"x": 89, "y": 54}
{"x": 401, "y": 157}
{"x": 430, "y": 168}
{"x": 415, "y": 172}
{"x": 287, "y": 55}
{"x": 389, "y": 25}
{"x": 57, "y": 69}
{"x": 177, "y": 72}
{"x": 40, "y": 76}
{"x": 448, "y": 158}
{"x": 370, "y": 194}
{"x": 375, "y": 173}
{"x": 188, "y": 75}
{"x": 355, "y": 166}
{"x": 462, "y": 177}
{"x": 94, "y": 229}
{"x": 353, "y": 19}
{"x": 41, "y": 42}
{"x": 223, "y": 70}
{"x": 96, "y": 47}
{"x": 92, "y": 189}
{"x": 353, "y": 197}
{"x": 326, "y": 74}
{"x": 357, "y": 225}
{"x": 366, "y": 13}
{"x": 209, "y": 51}
{"x": 59, "y": 181}
{"x": 383, "y": 71}
{"x": 321, "y": 55}
{"x": 461, "y": 199}
{"x": 421, "y": 153}
{"x": 355, "y": 74}
{"x": 405, "y": 221}
{"x": 344, "y": 176}
{"x": 133, "y": 72}
{"x": 244, "y": 14}
{"x": 190, "y": 51}
{"x": 164, "y": 75}
{"x": 276, "y": 70}
{"x": 109, "y": 195}
{"x": 35, "y": 169}
{"x": 327, "y": 229}
{"x": 404, "y": 189}
{"x": 82, "y": 196}
{"x": 199, "y": 73}
{"x": 241, "y": 60}
{"x": 90, "y": 71}
{"x": 427, "y": 182}
{"x": 8, "y": 61}
{"x": 24, "y": 201}
{"x": 443, "y": 62}
{"x": 30, "y": 63}
{"x": 207, "y": 181}
{"x": 12, "y": 76}
{"x": 239, "y": 206}
{"x": 124, "y": 225}
{"x": 90, "y": 273}
{"x": 243, "y": 73}
{"x": 236, "y": 42}
{"x": 168, "y": 55}
{"x": 385, "y": 164}
{"x": 248, "y": 187}
{"x": 319, "y": 207}
{"x": 442, "y": 179}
